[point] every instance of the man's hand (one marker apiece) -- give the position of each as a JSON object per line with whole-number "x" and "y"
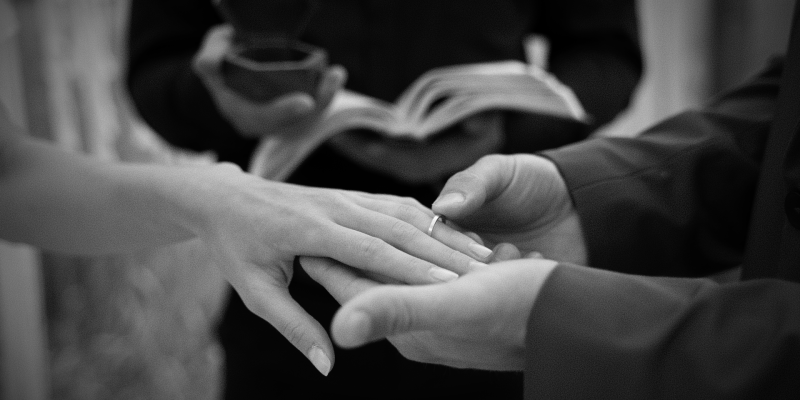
{"x": 288, "y": 114}
{"x": 519, "y": 199}
{"x": 255, "y": 228}
{"x": 477, "y": 321}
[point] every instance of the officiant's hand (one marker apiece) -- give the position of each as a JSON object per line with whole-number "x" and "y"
{"x": 431, "y": 161}
{"x": 287, "y": 114}
{"x": 255, "y": 228}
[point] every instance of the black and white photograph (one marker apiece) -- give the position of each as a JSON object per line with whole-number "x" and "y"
{"x": 399, "y": 199}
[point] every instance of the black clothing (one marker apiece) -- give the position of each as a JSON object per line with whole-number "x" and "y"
{"x": 384, "y": 45}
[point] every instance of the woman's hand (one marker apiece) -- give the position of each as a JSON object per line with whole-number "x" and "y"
{"x": 288, "y": 114}
{"x": 477, "y": 321}
{"x": 255, "y": 228}
{"x": 429, "y": 161}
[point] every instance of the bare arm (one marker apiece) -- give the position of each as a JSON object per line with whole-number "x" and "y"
{"x": 62, "y": 202}
{"x": 253, "y": 228}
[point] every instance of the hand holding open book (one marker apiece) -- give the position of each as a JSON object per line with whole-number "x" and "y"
{"x": 437, "y": 100}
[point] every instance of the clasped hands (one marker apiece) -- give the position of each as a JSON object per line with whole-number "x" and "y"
{"x": 518, "y": 205}
{"x": 354, "y": 243}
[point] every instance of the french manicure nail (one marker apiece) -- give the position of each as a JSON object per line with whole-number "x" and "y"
{"x": 320, "y": 360}
{"x": 479, "y": 251}
{"x": 449, "y": 200}
{"x": 441, "y": 274}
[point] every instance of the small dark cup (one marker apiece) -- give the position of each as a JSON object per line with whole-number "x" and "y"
{"x": 265, "y": 69}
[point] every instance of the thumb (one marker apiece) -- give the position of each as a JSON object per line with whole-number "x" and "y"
{"x": 385, "y": 311}
{"x": 466, "y": 191}
{"x": 207, "y": 62}
{"x": 332, "y": 81}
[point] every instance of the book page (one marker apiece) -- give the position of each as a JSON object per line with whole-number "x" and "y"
{"x": 276, "y": 157}
{"x": 437, "y": 100}
{"x": 429, "y": 86}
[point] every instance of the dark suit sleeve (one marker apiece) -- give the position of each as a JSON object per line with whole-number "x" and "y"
{"x": 675, "y": 200}
{"x": 163, "y": 37}
{"x": 600, "y": 334}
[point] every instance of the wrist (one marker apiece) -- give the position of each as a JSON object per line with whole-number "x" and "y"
{"x": 565, "y": 231}
{"x": 189, "y": 196}
{"x": 529, "y": 277}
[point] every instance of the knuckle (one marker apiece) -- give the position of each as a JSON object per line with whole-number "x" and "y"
{"x": 457, "y": 259}
{"x": 293, "y": 332}
{"x": 402, "y": 316}
{"x": 370, "y": 247}
{"x": 411, "y": 206}
{"x": 405, "y": 212}
{"x": 403, "y": 232}
{"x": 413, "y": 202}
{"x": 336, "y": 203}
{"x": 313, "y": 236}
{"x": 340, "y": 200}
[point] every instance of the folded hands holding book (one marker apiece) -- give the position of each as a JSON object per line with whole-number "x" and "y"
{"x": 443, "y": 122}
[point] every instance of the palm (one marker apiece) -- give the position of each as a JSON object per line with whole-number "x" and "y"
{"x": 476, "y": 321}
{"x": 468, "y": 335}
{"x": 452, "y": 351}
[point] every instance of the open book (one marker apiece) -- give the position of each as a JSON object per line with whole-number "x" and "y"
{"x": 437, "y": 100}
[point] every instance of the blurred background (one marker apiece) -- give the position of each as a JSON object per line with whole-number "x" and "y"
{"x": 142, "y": 325}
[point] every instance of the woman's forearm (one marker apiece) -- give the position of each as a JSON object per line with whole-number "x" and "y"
{"x": 252, "y": 228}
{"x": 66, "y": 202}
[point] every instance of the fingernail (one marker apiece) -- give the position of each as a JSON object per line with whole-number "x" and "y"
{"x": 320, "y": 360}
{"x": 449, "y": 200}
{"x": 441, "y": 274}
{"x": 477, "y": 264}
{"x": 479, "y": 251}
{"x": 534, "y": 254}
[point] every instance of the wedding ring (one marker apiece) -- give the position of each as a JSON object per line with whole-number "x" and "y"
{"x": 436, "y": 218}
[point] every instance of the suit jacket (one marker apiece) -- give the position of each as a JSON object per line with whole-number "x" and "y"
{"x": 702, "y": 191}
